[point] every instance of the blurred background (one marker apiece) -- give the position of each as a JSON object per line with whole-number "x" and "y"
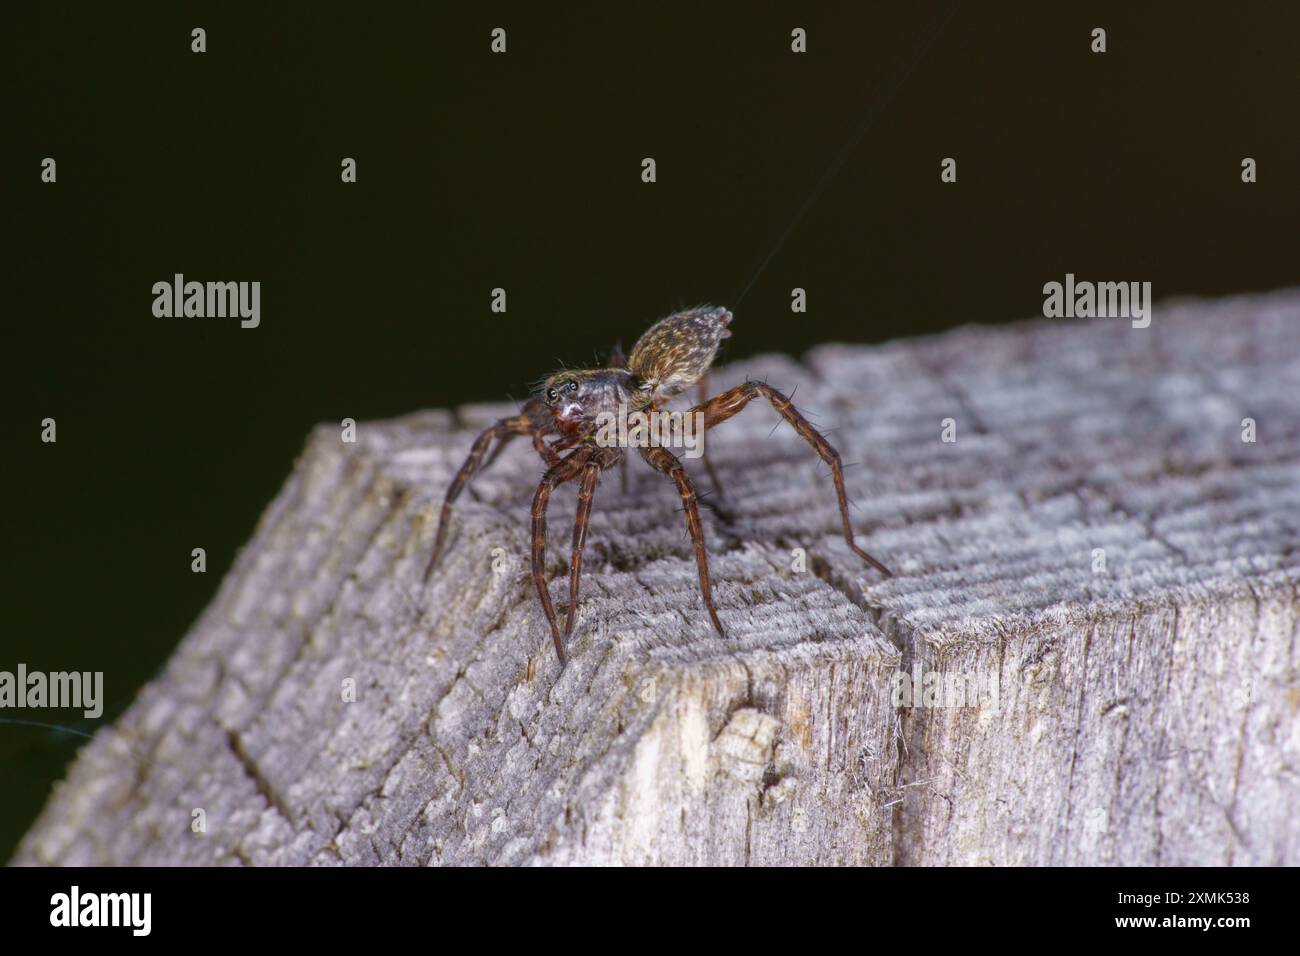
{"x": 523, "y": 171}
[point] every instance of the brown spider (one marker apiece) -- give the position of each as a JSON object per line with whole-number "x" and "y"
{"x": 672, "y": 355}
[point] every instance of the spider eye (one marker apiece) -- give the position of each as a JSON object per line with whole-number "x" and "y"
{"x": 550, "y": 394}
{"x": 571, "y": 385}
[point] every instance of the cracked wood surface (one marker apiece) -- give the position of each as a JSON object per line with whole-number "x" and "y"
{"x": 1144, "y": 712}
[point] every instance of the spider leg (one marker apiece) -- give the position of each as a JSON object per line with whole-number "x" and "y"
{"x": 548, "y": 452}
{"x": 530, "y": 421}
{"x": 586, "y": 492}
{"x": 665, "y": 461}
{"x": 722, "y": 407}
{"x": 567, "y": 469}
{"x": 708, "y": 465}
{"x": 499, "y": 448}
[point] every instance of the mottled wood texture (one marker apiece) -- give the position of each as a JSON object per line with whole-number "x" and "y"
{"x": 1147, "y": 714}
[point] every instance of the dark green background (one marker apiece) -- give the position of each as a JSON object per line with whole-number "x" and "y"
{"x": 523, "y": 171}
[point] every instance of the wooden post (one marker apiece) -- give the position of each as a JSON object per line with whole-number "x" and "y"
{"x": 1088, "y": 655}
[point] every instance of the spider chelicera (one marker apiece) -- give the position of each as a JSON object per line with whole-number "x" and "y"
{"x": 674, "y": 354}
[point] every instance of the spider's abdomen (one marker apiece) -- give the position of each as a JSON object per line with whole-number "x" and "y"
{"x": 676, "y": 351}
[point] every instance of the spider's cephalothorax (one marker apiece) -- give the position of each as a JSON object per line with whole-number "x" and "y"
{"x": 674, "y": 354}
{"x": 577, "y": 399}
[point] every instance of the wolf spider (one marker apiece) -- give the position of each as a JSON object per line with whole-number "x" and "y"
{"x": 672, "y": 355}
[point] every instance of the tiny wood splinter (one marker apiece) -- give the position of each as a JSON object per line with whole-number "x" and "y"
{"x": 674, "y": 354}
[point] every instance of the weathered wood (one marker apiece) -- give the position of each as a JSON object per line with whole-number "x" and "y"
{"x": 1147, "y": 713}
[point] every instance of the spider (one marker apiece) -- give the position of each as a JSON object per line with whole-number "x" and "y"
{"x": 674, "y": 354}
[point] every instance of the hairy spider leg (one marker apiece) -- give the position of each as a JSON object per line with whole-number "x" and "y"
{"x": 586, "y": 492}
{"x": 661, "y": 459}
{"x": 601, "y": 459}
{"x": 530, "y": 421}
{"x": 568, "y": 469}
{"x": 708, "y": 464}
{"x": 730, "y": 402}
{"x": 550, "y": 452}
